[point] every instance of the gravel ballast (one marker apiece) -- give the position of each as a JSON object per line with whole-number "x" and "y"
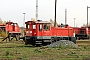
{"x": 63, "y": 43}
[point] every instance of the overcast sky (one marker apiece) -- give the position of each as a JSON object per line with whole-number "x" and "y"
{"x": 13, "y": 10}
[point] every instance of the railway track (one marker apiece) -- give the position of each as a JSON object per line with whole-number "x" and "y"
{"x": 82, "y": 42}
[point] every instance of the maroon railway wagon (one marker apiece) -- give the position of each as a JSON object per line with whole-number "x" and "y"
{"x": 82, "y": 32}
{"x": 41, "y": 33}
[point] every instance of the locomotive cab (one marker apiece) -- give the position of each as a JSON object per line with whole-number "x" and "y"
{"x": 37, "y": 32}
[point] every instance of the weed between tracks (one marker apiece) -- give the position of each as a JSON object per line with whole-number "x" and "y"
{"x": 16, "y": 50}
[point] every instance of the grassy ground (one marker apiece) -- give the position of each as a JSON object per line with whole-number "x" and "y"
{"x": 16, "y": 50}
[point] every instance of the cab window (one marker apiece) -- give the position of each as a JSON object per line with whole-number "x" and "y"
{"x": 34, "y": 26}
{"x": 46, "y": 26}
{"x": 27, "y": 26}
{"x": 40, "y": 27}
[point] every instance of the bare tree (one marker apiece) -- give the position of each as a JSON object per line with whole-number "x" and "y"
{"x": 2, "y": 22}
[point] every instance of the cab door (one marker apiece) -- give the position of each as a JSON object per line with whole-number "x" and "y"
{"x": 46, "y": 31}
{"x": 39, "y": 31}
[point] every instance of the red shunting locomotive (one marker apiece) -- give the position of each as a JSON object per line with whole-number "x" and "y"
{"x": 13, "y": 30}
{"x": 42, "y": 33}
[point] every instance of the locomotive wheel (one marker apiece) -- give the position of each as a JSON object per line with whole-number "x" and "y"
{"x": 17, "y": 37}
{"x": 25, "y": 42}
{"x": 52, "y": 40}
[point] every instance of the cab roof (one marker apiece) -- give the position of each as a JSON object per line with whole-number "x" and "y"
{"x": 37, "y": 22}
